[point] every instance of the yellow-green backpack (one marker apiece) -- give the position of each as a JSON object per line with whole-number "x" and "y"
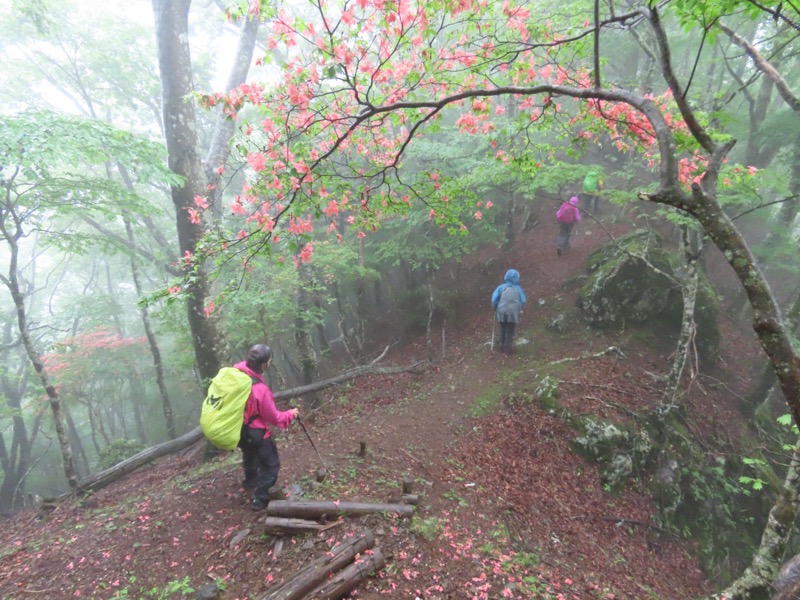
{"x": 223, "y": 409}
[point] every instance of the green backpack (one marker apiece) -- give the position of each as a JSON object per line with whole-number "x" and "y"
{"x": 223, "y": 409}
{"x": 590, "y": 181}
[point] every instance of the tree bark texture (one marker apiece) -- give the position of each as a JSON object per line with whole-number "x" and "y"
{"x": 302, "y": 327}
{"x": 180, "y": 133}
{"x": 223, "y": 130}
{"x": 765, "y": 383}
{"x": 284, "y": 526}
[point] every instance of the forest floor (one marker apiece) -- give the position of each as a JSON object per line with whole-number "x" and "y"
{"x": 507, "y": 509}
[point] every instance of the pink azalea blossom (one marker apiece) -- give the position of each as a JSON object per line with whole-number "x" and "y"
{"x": 257, "y": 161}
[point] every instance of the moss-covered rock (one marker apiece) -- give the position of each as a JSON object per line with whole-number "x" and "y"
{"x": 632, "y": 281}
{"x": 601, "y": 440}
{"x": 623, "y": 288}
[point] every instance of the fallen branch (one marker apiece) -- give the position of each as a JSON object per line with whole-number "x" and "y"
{"x": 369, "y": 369}
{"x": 609, "y": 350}
{"x": 102, "y": 479}
{"x": 299, "y": 585}
{"x": 308, "y": 509}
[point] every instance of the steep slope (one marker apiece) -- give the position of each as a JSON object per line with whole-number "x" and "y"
{"x": 506, "y": 510}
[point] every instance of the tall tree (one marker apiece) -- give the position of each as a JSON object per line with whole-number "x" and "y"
{"x": 180, "y": 131}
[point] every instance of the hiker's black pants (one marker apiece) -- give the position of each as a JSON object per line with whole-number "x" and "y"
{"x": 564, "y": 231}
{"x": 587, "y": 200}
{"x": 260, "y": 461}
{"x": 507, "y": 336}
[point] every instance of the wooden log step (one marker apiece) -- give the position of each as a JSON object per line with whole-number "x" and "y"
{"x": 319, "y": 571}
{"x": 346, "y": 580}
{"x": 308, "y": 509}
{"x": 282, "y": 526}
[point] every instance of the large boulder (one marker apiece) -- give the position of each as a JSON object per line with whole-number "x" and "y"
{"x": 623, "y": 289}
{"x": 632, "y": 281}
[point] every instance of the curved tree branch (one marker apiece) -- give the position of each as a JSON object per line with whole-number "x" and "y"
{"x": 678, "y": 92}
{"x": 765, "y": 67}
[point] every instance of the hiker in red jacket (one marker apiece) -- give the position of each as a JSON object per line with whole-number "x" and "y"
{"x": 259, "y": 453}
{"x": 567, "y": 215}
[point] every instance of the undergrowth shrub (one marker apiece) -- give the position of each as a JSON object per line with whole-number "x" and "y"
{"x": 117, "y": 451}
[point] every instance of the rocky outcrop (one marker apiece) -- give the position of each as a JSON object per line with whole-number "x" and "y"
{"x": 634, "y": 279}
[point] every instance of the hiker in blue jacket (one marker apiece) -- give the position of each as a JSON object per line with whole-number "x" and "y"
{"x": 508, "y": 300}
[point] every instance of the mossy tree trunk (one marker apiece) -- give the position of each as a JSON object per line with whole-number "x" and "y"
{"x": 691, "y": 248}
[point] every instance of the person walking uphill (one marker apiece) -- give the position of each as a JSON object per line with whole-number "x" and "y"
{"x": 567, "y": 215}
{"x": 259, "y": 452}
{"x": 508, "y": 300}
{"x": 592, "y": 184}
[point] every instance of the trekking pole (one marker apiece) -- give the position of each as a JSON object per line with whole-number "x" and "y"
{"x": 313, "y": 445}
{"x": 493, "y": 321}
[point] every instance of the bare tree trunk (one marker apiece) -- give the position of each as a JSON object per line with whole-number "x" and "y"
{"x": 762, "y": 391}
{"x": 509, "y": 229}
{"x": 431, "y": 306}
{"x": 15, "y": 457}
{"x": 152, "y": 342}
{"x": 703, "y": 206}
{"x": 302, "y": 338}
{"x": 786, "y": 218}
{"x": 782, "y": 227}
{"x": 137, "y": 395}
{"x": 11, "y": 281}
{"x": 77, "y": 445}
{"x": 219, "y": 149}
{"x": 361, "y": 299}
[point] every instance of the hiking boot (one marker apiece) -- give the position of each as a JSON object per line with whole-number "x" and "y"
{"x": 259, "y": 504}
{"x": 248, "y": 484}
{"x": 559, "y": 251}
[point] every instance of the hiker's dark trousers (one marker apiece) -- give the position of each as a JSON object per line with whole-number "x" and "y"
{"x": 587, "y": 200}
{"x": 507, "y": 336}
{"x": 564, "y": 231}
{"x": 260, "y": 461}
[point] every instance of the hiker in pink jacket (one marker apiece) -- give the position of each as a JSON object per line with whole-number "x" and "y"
{"x": 260, "y": 459}
{"x": 567, "y": 215}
